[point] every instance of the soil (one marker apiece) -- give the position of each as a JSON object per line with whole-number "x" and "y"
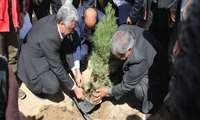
{"x": 107, "y": 111}
{"x": 35, "y": 108}
{"x": 58, "y": 113}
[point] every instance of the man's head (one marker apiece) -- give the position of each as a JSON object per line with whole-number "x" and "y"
{"x": 122, "y": 44}
{"x": 67, "y": 17}
{"x": 90, "y": 17}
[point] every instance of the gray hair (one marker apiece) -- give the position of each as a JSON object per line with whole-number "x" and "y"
{"x": 67, "y": 13}
{"x": 121, "y": 42}
{"x": 63, "y": 1}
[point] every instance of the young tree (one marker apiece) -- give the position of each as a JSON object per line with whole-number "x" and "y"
{"x": 102, "y": 49}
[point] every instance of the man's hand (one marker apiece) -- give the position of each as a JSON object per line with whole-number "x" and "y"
{"x": 79, "y": 93}
{"x": 100, "y": 93}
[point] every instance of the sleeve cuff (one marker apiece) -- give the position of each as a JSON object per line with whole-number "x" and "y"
{"x": 76, "y": 65}
{"x": 110, "y": 92}
{"x": 73, "y": 87}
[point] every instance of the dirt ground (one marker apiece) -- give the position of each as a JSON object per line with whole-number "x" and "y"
{"x": 35, "y": 108}
{"x": 51, "y": 112}
{"x": 63, "y": 107}
{"x": 107, "y": 112}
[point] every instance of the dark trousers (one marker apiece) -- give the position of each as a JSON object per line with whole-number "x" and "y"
{"x": 45, "y": 83}
{"x": 159, "y": 27}
{"x": 123, "y": 11}
{"x": 158, "y": 73}
{"x": 6, "y": 39}
{"x": 43, "y": 8}
{"x": 138, "y": 97}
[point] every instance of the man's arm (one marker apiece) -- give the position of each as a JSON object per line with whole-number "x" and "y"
{"x": 131, "y": 78}
{"x": 77, "y": 58}
{"x": 77, "y": 46}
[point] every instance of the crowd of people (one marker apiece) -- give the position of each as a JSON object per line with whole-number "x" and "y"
{"x": 154, "y": 50}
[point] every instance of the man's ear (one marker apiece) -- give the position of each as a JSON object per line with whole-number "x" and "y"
{"x": 128, "y": 53}
{"x": 62, "y": 23}
{"x": 130, "y": 49}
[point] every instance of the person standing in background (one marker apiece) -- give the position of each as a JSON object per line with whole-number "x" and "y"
{"x": 9, "y": 25}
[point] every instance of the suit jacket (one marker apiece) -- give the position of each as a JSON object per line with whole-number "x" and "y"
{"x": 41, "y": 53}
{"x": 136, "y": 67}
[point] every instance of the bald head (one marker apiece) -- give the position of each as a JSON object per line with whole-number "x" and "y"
{"x": 90, "y": 17}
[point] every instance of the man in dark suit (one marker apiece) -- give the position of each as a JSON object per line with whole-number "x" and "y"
{"x": 144, "y": 74}
{"x": 40, "y": 66}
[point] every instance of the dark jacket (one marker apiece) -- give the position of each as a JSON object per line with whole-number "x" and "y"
{"x": 132, "y": 9}
{"x": 136, "y": 67}
{"x": 41, "y": 54}
{"x": 148, "y": 64}
{"x": 136, "y": 7}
